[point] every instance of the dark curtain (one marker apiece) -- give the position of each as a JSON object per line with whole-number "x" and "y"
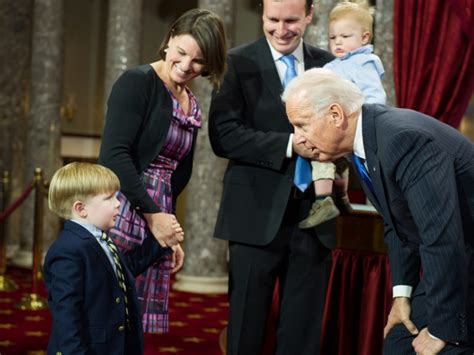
{"x": 433, "y": 57}
{"x": 357, "y": 303}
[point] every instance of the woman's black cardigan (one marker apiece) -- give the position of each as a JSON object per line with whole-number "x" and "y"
{"x": 139, "y": 113}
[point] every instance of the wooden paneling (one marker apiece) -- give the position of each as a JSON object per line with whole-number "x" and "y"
{"x": 361, "y": 230}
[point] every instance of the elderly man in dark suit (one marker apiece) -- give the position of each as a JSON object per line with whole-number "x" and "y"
{"x": 419, "y": 174}
{"x": 260, "y": 207}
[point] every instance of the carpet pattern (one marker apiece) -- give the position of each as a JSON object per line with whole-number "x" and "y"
{"x": 196, "y": 322}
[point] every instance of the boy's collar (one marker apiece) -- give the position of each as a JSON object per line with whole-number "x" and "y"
{"x": 96, "y": 232}
{"x": 367, "y": 49}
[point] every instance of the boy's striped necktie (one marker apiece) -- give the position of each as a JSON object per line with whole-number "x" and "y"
{"x": 120, "y": 273}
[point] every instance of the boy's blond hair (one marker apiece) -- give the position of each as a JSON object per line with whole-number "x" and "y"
{"x": 359, "y": 11}
{"x": 78, "y": 182}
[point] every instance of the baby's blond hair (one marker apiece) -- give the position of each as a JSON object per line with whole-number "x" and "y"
{"x": 78, "y": 182}
{"x": 359, "y": 11}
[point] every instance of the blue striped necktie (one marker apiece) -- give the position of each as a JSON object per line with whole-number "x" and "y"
{"x": 303, "y": 174}
{"x": 363, "y": 173}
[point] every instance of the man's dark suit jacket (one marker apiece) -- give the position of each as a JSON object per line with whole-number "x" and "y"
{"x": 423, "y": 176}
{"x": 84, "y": 296}
{"x": 248, "y": 125}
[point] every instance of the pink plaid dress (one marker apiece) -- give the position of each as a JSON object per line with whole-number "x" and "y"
{"x": 130, "y": 229}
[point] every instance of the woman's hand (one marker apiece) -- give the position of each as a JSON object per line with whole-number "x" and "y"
{"x": 178, "y": 258}
{"x": 165, "y": 228}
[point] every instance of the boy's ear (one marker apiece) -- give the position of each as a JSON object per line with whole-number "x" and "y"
{"x": 79, "y": 208}
{"x": 366, "y": 38}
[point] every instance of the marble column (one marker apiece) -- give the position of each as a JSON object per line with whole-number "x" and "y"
{"x": 15, "y": 26}
{"x": 317, "y": 32}
{"x": 383, "y": 44}
{"x": 44, "y": 131}
{"x": 205, "y": 268}
{"x": 123, "y": 39}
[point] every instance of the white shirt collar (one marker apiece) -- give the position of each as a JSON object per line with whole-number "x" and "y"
{"x": 298, "y": 52}
{"x": 358, "y": 139}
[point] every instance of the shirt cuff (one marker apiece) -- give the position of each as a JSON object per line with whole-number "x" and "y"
{"x": 433, "y": 337}
{"x": 289, "y": 147}
{"x": 402, "y": 291}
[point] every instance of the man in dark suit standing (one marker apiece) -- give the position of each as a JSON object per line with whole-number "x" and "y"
{"x": 260, "y": 207}
{"x": 419, "y": 174}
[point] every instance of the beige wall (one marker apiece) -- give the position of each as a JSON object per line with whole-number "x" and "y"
{"x": 84, "y": 57}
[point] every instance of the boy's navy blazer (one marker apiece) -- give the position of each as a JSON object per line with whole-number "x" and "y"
{"x": 85, "y": 299}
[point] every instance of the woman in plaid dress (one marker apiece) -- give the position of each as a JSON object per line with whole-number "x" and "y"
{"x": 148, "y": 141}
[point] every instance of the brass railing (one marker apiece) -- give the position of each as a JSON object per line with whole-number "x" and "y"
{"x": 32, "y": 300}
{"x": 6, "y": 284}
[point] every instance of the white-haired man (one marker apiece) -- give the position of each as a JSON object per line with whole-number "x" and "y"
{"x": 419, "y": 174}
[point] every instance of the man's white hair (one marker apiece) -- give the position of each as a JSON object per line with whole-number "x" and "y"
{"x": 318, "y": 88}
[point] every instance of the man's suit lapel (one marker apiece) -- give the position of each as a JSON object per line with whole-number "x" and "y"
{"x": 269, "y": 71}
{"x": 373, "y": 164}
{"x": 309, "y": 60}
{"x": 83, "y": 233}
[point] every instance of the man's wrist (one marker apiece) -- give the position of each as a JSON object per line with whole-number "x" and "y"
{"x": 449, "y": 342}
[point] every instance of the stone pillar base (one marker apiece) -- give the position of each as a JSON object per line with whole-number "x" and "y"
{"x": 12, "y": 250}
{"x": 201, "y": 284}
{"x": 23, "y": 258}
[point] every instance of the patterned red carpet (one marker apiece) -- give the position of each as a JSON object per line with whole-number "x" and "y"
{"x": 196, "y": 322}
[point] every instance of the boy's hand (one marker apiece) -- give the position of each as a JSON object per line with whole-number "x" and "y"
{"x": 178, "y": 258}
{"x": 165, "y": 228}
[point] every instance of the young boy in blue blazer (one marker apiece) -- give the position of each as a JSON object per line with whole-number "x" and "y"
{"x": 91, "y": 291}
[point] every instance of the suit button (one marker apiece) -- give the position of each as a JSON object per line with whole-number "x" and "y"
{"x": 117, "y": 300}
{"x": 121, "y": 328}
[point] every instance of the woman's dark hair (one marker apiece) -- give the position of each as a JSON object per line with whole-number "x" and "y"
{"x": 208, "y": 31}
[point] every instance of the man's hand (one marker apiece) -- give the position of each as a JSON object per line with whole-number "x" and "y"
{"x": 300, "y": 148}
{"x": 177, "y": 259}
{"x": 400, "y": 313}
{"x": 424, "y": 344}
{"x": 165, "y": 228}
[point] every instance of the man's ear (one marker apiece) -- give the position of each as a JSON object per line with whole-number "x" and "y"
{"x": 336, "y": 114}
{"x": 309, "y": 15}
{"x": 79, "y": 209}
